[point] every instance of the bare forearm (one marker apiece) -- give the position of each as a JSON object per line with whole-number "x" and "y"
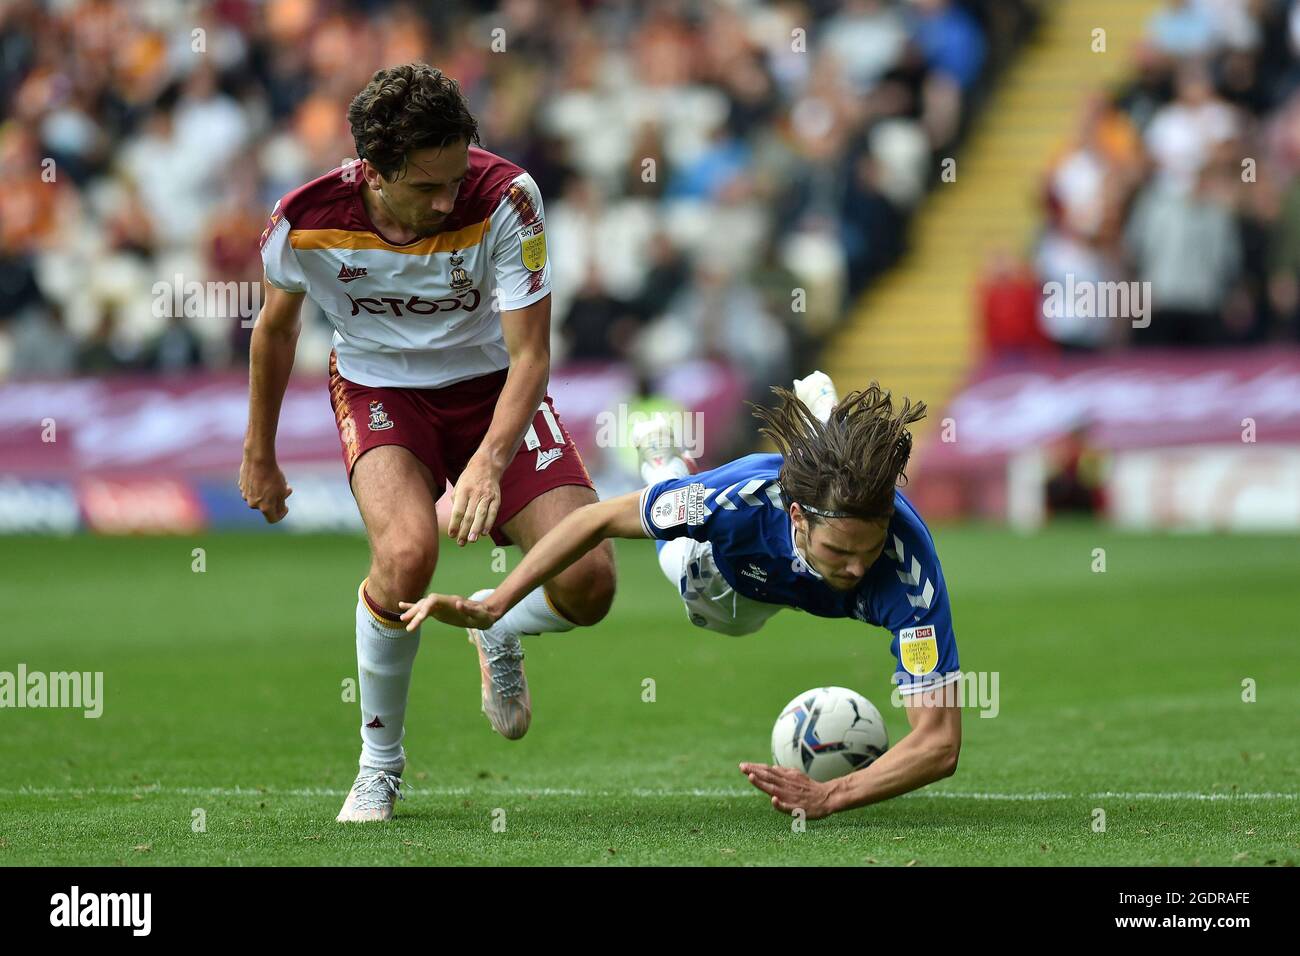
{"x": 519, "y": 400}
{"x": 578, "y": 533}
{"x": 914, "y": 762}
{"x": 269, "y": 366}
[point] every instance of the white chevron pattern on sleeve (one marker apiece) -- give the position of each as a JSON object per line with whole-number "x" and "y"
{"x": 722, "y": 499}
{"x": 927, "y": 594}
{"x": 707, "y": 510}
{"x": 750, "y": 492}
{"x": 914, "y": 578}
{"x": 911, "y": 576}
{"x": 747, "y": 492}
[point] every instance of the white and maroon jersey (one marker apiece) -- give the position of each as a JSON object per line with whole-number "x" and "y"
{"x": 427, "y": 313}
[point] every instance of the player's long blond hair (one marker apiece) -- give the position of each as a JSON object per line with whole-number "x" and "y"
{"x": 848, "y": 465}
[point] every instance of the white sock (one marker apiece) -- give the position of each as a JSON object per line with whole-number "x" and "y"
{"x": 674, "y": 467}
{"x": 532, "y": 615}
{"x": 385, "y": 657}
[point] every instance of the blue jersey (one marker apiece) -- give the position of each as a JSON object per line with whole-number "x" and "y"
{"x": 739, "y": 510}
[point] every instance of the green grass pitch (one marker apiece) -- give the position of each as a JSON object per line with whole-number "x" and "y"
{"x": 223, "y": 691}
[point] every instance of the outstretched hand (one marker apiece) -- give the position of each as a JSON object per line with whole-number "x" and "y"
{"x": 448, "y": 608}
{"x": 790, "y": 790}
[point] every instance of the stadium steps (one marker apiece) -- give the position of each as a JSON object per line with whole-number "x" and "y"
{"x": 915, "y": 330}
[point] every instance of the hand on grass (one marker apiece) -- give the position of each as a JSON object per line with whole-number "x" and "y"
{"x": 790, "y": 790}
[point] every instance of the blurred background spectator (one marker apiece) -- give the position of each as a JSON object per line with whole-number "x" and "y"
{"x": 1186, "y": 177}
{"x": 721, "y": 179}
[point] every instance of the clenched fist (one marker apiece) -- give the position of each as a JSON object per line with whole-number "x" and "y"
{"x": 262, "y": 484}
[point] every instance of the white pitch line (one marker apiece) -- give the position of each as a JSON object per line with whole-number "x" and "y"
{"x": 715, "y": 793}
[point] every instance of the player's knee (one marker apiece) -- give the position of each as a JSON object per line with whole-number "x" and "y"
{"x": 407, "y": 565}
{"x": 586, "y": 597}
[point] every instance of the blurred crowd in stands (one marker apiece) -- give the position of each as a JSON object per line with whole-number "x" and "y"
{"x": 701, "y": 163}
{"x": 1187, "y": 177}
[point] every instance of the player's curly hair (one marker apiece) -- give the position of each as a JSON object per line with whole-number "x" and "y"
{"x": 412, "y": 106}
{"x": 849, "y": 464}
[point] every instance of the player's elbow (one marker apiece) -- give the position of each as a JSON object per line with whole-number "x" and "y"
{"x": 944, "y": 757}
{"x": 278, "y": 329}
{"x": 939, "y": 751}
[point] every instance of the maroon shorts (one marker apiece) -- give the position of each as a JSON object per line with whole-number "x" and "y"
{"x": 443, "y": 427}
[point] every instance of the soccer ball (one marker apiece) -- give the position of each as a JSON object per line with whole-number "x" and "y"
{"x": 828, "y": 732}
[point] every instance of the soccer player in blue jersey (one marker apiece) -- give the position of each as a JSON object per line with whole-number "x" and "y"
{"x": 820, "y": 527}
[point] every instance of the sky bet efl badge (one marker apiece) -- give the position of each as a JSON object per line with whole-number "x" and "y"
{"x": 532, "y": 240}
{"x": 679, "y": 506}
{"x": 918, "y": 650}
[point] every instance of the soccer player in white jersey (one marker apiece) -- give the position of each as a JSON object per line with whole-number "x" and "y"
{"x": 820, "y": 527}
{"x": 428, "y": 256}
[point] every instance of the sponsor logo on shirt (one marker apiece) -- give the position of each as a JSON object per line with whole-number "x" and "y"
{"x": 347, "y": 273}
{"x": 755, "y": 572}
{"x": 393, "y": 305}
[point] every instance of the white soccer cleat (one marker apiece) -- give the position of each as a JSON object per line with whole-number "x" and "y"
{"x": 817, "y": 391}
{"x": 655, "y": 442}
{"x": 506, "y": 702}
{"x": 372, "y": 796}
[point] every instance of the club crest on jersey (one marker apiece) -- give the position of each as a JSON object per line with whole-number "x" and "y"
{"x": 347, "y": 273}
{"x": 918, "y": 650}
{"x": 459, "y": 280}
{"x": 379, "y": 420}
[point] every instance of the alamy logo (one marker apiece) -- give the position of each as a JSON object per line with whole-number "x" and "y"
{"x": 75, "y": 690}
{"x": 1089, "y": 299}
{"x": 103, "y": 909}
